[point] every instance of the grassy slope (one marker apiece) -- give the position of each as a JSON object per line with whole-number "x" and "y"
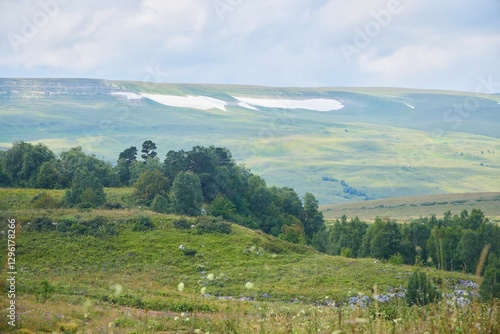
{"x": 406, "y": 208}
{"x": 376, "y": 143}
{"x": 148, "y": 266}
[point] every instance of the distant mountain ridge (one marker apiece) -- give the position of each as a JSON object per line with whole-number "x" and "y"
{"x": 381, "y": 142}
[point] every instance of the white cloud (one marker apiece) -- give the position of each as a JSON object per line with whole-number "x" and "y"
{"x": 281, "y": 42}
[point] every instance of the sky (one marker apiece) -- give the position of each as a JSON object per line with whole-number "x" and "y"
{"x": 445, "y": 44}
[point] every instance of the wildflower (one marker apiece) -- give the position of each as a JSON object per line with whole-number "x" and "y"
{"x": 180, "y": 287}
{"x": 210, "y": 277}
{"x": 203, "y": 290}
{"x": 249, "y": 285}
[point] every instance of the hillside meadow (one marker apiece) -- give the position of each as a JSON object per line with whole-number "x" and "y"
{"x": 174, "y": 278}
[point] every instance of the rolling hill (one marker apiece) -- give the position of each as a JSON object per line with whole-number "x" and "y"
{"x": 342, "y": 144}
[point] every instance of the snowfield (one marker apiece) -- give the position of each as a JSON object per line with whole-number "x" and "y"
{"x": 309, "y": 104}
{"x": 206, "y": 103}
{"x": 196, "y": 102}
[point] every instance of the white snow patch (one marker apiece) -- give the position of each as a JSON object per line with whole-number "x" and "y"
{"x": 196, "y": 102}
{"x": 409, "y": 105}
{"x": 310, "y": 104}
{"x": 246, "y": 105}
{"x": 129, "y": 96}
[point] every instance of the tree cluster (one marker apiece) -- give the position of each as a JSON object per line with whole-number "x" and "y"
{"x": 450, "y": 243}
{"x": 203, "y": 180}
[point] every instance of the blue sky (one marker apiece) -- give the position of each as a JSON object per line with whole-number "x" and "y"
{"x": 397, "y": 43}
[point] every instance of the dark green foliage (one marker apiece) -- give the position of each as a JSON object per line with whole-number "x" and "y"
{"x": 143, "y": 223}
{"x": 41, "y": 224}
{"x": 222, "y": 206}
{"x": 43, "y": 291}
{"x": 150, "y": 184}
{"x": 50, "y": 176}
{"x": 346, "y": 252}
{"x": 75, "y": 159}
{"x": 186, "y": 195}
{"x": 182, "y": 224}
{"x": 293, "y": 233}
{"x": 128, "y": 155}
{"x": 420, "y": 290}
{"x": 313, "y": 219}
{"x": 148, "y": 150}
{"x": 85, "y": 188}
{"x": 22, "y": 162}
{"x": 112, "y": 206}
{"x": 44, "y": 201}
{"x": 344, "y": 234}
{"x": 490, "y": 286}
{"x": 189, "y": 252}
{"x": 160, "y": 204}
{"x": 381, "y": 240}
{"x": 209, "y": 224}
{"x": 98, "y": 227}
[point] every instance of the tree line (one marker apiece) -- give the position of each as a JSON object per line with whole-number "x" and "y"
{"x": 449, "y": 243}
{"x": 203, "y": 180}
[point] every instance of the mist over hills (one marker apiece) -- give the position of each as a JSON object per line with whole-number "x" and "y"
{"x": 342, "y": 144}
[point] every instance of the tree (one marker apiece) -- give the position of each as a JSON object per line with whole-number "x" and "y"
{"x": 293, "y": 233}
{"x": 125, "y": 160}
{"x": 221, "y": 206}
{"x": 129, "y": 155}
{"x": 22, "y": 162}
{"x": 313, "y": 219}
{"x": 490, "y": 286}
{"x": 186, "y": 194}
{"x": 160, "y": 204}
{"x": 150, "y": 184}
{"x": 148, "y": 150}
{"x": 469, "y": 250}
{"x": 49, "y": 176}
{"x": 420, "y": 290}
{"x": 85, "y": 188}
{"x": 381, "y": 240}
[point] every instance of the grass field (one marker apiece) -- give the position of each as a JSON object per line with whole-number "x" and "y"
{"x": 407, "y": 208}
{"x": 243, "y": 282}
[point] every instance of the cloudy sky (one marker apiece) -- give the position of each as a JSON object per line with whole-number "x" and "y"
{"x": 441, "y": 44}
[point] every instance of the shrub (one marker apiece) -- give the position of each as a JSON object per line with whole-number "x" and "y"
{"x": 189, "y": 252}
{"x": 44, "y": 201}
{"x": 182, "y": 224}
{"x": 346, "y": 252}
{"x": 420, "y": 290}
{"x": 41, "y": 224}
{"x": 160, "y": 204}
{"x": 143, "y": 223}
{"x": 396, "y": 259}
{"x": 209, "y": 224}
{"x": 112, "y": 206}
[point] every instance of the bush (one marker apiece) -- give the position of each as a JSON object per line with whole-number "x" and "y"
{"x": 112, "y": 206}
{"x": 143, "y": 223}
{"x": 189, "y": 252}
{"x": 346, "y": 252}
{"x": 396, "y": 259}
{"x": 209, "y": 224}
{"x": 420, "y": 290}
{"x": 44, "y": 201}
{"x": 41, "y": 224}
{"x": 182, "y": 224}
{"x": 160, "y": 204}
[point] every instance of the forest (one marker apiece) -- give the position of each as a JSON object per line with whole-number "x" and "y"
{"x": 207, "y": 181}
